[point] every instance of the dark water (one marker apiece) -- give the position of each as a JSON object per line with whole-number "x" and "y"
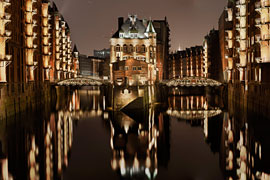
{"x": 187, "y": 137}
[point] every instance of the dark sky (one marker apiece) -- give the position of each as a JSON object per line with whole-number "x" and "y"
{"x": 92, "y": 21}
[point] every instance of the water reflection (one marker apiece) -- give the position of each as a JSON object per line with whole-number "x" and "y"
{"x": 245, "y": 150}
{"x": 134, "y": 145}
{"x": 140, "y": 145}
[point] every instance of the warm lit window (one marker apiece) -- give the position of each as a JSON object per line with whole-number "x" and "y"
{"x": 117, "y": 48}
{"x": 143, "y": 49}
{"x": 130, "y": 48}
{"x": 125, "y": 48}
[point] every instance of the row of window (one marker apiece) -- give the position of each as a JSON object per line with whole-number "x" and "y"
{"x": 132, "y": 35}
{"x": 134, "y": 68}
{"x": 130, "y": 48}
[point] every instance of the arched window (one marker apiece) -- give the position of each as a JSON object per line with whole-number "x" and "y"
{"x": 130, "y": 48}
{"x": 143, "y": 49}
{"x": 117, "y": 48}
{"x": 125, "y": 49}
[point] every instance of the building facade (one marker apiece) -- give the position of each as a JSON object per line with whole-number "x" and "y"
{"x": 135, "y": 40}
{"x": 247, "y": 49}
{"x": 93, "y": 67}
{"x": 212, "y": 59}
{"x": 35, "y": 43}
{"x": 104, "y": 53}
{"x": 35, "y": 52}
{"x": 163, "y": 46}
{"x": 187, "y": 63}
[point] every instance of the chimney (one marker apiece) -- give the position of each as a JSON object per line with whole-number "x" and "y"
{"x": 120, "y": 22}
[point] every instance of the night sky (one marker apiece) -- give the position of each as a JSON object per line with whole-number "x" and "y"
{"x": 92, "y": 21}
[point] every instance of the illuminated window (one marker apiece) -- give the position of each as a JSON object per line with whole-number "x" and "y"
{"x": 125, "y": 48}
{"x": 130, "y": 48}
{"x": 117, "y": 48}
{"x": 143, "y": 49}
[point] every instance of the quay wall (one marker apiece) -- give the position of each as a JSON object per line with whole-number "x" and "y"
{"x": 254, "y": 97}
{"x": 17, "y": 98}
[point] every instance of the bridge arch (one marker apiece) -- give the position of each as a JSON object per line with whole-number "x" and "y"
{"x": 80, "y": 81}
{"x": 192, "y": 82}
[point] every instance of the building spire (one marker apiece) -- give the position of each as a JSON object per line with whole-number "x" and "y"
{"x": 150, "y": 27}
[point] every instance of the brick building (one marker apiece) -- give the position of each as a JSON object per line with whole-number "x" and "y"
{"x": 247, "y": 48}
{"x": 186, "y": 63}
{"x": 134, "y": 41}
{"x": 35, "y": 44}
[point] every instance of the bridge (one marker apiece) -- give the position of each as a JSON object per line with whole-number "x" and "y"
{"x": 82, "y": 81}
{"x": 192, "y": 82}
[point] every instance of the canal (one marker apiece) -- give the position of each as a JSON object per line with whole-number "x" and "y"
{"x": 78, "y": 136}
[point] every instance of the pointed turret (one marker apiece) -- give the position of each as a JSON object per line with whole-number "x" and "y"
{"x": 150, "y": 28}
{"x": 75, "y": 51}
{"x": 75, "y": 48}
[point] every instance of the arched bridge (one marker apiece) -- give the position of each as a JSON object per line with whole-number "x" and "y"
{"x": 82, "y": 81}
{"x": 192, "y": 82}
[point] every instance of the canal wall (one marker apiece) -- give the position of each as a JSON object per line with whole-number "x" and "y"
{"x": 17, "y": 98}
{"x": 254, "y": 98}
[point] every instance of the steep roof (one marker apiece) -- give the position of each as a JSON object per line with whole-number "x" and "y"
{"x": 150, "y": 27}
{"x": 75, "y": 48}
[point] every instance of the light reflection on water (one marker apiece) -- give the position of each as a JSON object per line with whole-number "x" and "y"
{"x": 192, "y": 137}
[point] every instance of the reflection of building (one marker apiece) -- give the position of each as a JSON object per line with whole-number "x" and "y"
{"x": 191, "y": 108}
{"x": 187, "y": 63}
{"x": 244, "y": 150}
{"x": 198, "y": 111}
{"x": 135, "y": 143}
{"x": 134, "y": 41}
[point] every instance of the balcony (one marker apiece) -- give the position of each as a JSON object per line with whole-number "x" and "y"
{"x": 266, "y": 37}
{"x": 6, "y": 60}
{"x": 258, "y": 6}
{"x": 240, "y": 3}
{"x": 6, "y": 3}
{"x": 34, "y": 12}
{"x": 6, "y": 16}
{"x": 266, "y": 3}
{"x": 7, "y": 33}
{"x": 257, "y": 38}
{"x": 262, "y": 60}
{"x": 258, "y": 22}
